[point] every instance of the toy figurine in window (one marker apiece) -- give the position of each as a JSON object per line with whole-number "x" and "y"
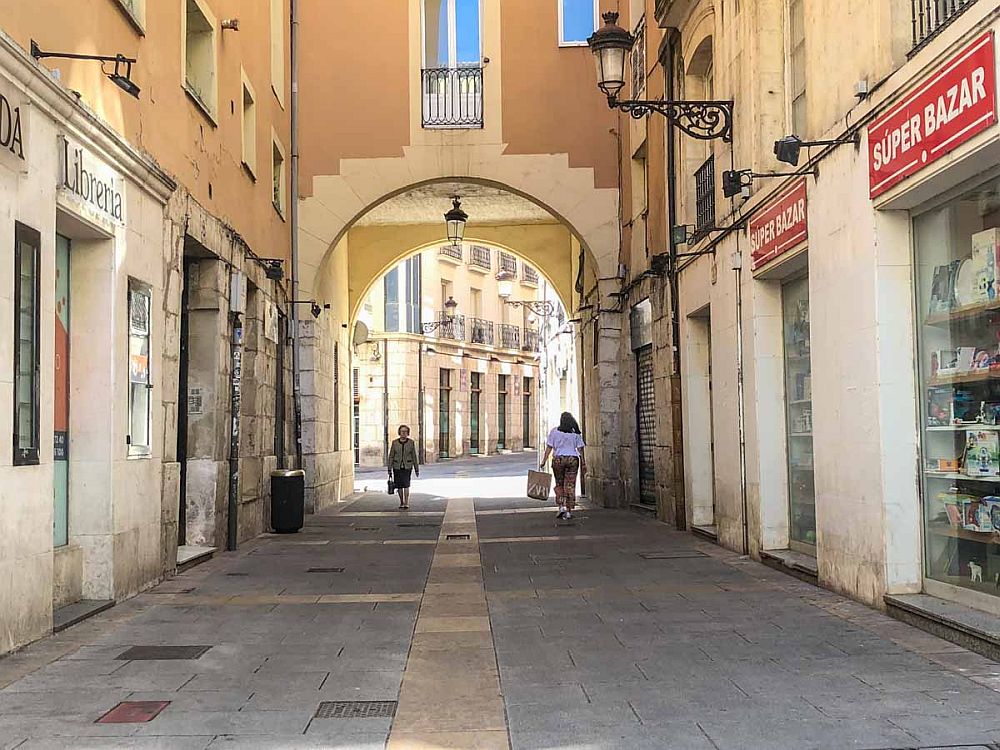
{"x": 981, "y": 361}
{"x": 990, "y": 413}
{"x": 943, "y": 288}
{"x": 982, "y": 453}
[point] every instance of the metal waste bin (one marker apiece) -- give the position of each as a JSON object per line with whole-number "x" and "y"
{"x": 288, "y": 501}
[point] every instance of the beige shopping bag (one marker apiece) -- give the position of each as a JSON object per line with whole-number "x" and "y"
{"x": 539, "y": 483}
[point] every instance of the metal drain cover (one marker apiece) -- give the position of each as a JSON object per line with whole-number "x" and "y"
{"x": 418, "y": 525}
{"x": 457, "y": 537}
{"x": 162, "y": 653}
{"x": 679, "y": 555}
{"x": 543, "y": 559}
{"x": 356, "y": 710}
{"x": 133, "y": 712}
{"x": 366, "y": 528}
{"x": 325, "y": 570}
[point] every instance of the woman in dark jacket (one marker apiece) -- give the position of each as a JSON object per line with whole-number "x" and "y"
{"x": 403, "y": 460}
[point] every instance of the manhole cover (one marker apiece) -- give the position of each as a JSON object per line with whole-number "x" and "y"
{"x": 325, "y": 570}
{"x": 679, "y": 555}
{"x": 457, "y": 537}
{"x": 366, "y": 528}
{"x": 356, "y": 710}
{"x": 133, "y": 712}
{"x": 162, "y": 653}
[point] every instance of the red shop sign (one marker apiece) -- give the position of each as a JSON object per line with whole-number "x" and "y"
{"x": 779, "y": 227}
{"x": 949, "y": 108}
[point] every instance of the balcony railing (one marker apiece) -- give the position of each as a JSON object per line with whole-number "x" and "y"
{"x": 481, "y": 331}
{"x": 451, "y": 251}
{"x": 528, "y": 274}
{"x": 931, "y": 16}
{"x": 531, "y": 340}
{"x": 510, "y": 336}
{"x": 480, "y": 256}
{"x": 452, "y": 326}
{"x": 507, "y": 263}
{"x": 453, "y": 97}
{"x": 704, "y": 196}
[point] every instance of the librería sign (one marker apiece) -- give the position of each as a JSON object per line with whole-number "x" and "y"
{"x": 946, "y": 110}
{"x": 779, "y": 227}
{"x": 91, "y": 182}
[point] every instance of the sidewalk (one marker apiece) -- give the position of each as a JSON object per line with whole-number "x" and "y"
{"x": 615, "y": 632}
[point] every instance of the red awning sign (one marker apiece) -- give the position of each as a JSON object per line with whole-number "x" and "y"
{"x": 780, "y": 227}
{"x": 949, "y": 108}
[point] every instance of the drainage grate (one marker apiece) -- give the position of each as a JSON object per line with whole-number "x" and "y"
{"x": 162, "y": 653}
{"x": 680, "y": 555}
{"x": 366, "y": 528}
{"x": 456, "y": 537}
{"x": 356, "y": 710}
{"x": 133, "y": 712}
{"x": 543, "y": 559}
{"x": 418, "y": 525}
{"x": 325, "y": 570}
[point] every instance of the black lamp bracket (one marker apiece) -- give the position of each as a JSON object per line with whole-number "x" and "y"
{"x": 543, "y": 309}
{"x": 704, "y": 120}
{"x": 38, "y": 54}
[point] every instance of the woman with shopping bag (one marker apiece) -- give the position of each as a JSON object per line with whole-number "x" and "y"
{"x": 402, "y": 461}
{"x": 566, "y": 442}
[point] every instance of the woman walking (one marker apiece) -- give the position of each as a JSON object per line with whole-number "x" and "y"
{"x": 403, "y": 460}
{"x": 566, "y": 442}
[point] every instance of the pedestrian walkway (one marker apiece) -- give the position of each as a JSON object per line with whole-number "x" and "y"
{"x": 481, "y": 623}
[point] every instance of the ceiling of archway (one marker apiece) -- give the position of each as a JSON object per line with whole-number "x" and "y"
{"x": 485, "y": 205}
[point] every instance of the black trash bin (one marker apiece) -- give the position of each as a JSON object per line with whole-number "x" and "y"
{"x": 288, "y": 502}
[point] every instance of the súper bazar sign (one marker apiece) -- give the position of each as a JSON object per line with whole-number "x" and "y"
{"x": 780, "y": 227}
{"x": 945, "y": 111}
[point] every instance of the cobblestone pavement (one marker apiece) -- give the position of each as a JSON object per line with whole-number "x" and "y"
{"x": 613, "y": 632}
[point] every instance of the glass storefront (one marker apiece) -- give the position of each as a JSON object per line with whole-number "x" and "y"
{"x": 798, "y": 415}
{"x": 958, "y": 316}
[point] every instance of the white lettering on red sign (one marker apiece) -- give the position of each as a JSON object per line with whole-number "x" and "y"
{"x": 952, "y": 106}
{"x": 780, "y": 227}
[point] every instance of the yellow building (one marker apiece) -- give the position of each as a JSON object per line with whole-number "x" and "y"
{"x": 449, "y": 343}
{"x": 144, "y": 209}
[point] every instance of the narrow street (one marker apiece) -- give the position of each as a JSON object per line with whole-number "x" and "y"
{"x": 474, "y": 621}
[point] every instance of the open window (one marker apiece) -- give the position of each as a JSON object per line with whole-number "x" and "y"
{"x": 249, "y": 127}
{"x": 578, "y": 19}
{"x": 278, "y": 178}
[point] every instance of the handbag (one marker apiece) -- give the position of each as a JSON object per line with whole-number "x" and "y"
{"x": 539, "y": 483}
{"x": 391, "y": 487}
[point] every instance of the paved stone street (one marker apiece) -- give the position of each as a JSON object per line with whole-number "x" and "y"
{"x": 612, "y": 632}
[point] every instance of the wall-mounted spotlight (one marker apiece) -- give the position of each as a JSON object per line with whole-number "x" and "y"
{"x": 787, "y": 149}
{"x": 734, "y": 181}
{"x": 231, "y": 24}
{"x": 684, "y": 234}
{"x": 273, "y": 268}
{"x": 314, "y": 307}
{"x": 121, "y": 76}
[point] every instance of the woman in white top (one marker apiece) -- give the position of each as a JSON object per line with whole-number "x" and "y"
{"x": 566, "y": 442}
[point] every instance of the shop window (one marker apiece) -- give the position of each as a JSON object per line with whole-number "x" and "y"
{"x": 958, "y": 308}
{"x": 797, "y": 66}
{"x": 278, "y": 178}
{"x": 27, "y": 247}
{"x": 577, "y": 21}
{"x": 278, "y": 23}
{"x": 199, "y": 56}
{"x": 249, "y": 127}
{"x": 798, "y": 416}
{"x": 139, "y": 381}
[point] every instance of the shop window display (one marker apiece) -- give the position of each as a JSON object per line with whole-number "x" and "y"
{"x": 957, "y": 250}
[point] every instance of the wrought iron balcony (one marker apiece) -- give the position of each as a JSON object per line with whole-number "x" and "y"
{"x": 481, "y": 330}
{"x": 480, "y": 257}
{"x": 452, "y": 326}
{"x": 453, "y": 97}
{"x": 531, "y": 341}
{"x": 451, "y": 251}
{"x": 704, "y": 192}
{"x": 507, "y": 263}
{"x": 510, "y": 336}
{"x": 528, "y": 274}
{"x": 931, "y": 16}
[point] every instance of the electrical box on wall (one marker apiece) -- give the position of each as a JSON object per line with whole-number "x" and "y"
{"x": 237, "y": 292}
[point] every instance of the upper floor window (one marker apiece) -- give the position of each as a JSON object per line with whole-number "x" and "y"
{"x": 278, "y": 179}
{"x": 452, "y": 34}
{"x": 577, "y": 21}
{"x": 278, "y": 49}
{"x": 797, "y": 66}
{"x": 249, "y": 127}
{"x": 199, "y": 56}
{"x": 136, "y": 10}
{"x": 639, "y": 60}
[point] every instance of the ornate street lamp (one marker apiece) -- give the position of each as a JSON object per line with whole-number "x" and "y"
{"x": 505, "y": 285}
{"x": 451, "y": 307}
{"x": 456, "y": 220}
{"x": 704, "y": 120}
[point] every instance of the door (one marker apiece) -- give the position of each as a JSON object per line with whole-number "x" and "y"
{"x": 526, "y": 414}
{"x": 798, "y": 415}
{"x": 452, "y": 75}
{"x": 444, "y": 409}
{"x": 501, "y": 412}
{"x": 474, "y": 397}
{"x": 60, "y": 426}
{"x": 182, "y": 407}
{"x": 646, "y": 425}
